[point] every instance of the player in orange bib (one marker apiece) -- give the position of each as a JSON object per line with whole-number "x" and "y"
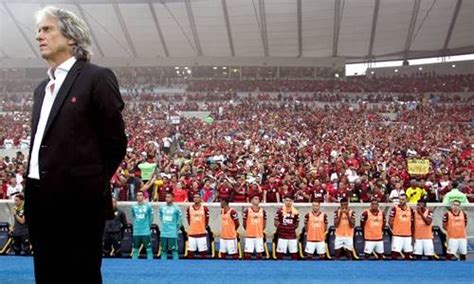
{"x": 254, "y": 222}
{"x": 229, "y": 226}
{"x": 423, "y": 231}
{"x": 344, "y": 221}
{"x": 373, "y": 221}
{"x": 316, "y": 225}
{"x": 455, "y": 223}
{"x": 401, "y": 222}
{"x": 198, "y": 220}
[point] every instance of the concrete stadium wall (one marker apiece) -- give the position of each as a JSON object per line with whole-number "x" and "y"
{"x": 439, "y": 210}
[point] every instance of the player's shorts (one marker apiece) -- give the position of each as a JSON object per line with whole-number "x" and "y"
{"x": 424, "y": 247}
{"x": 199, "y": 244}
{"x": 254, "y": 244}
{"x": 344, "y": 242}
{"x": 319, "y": 247}
{"x": 371, "y": 246}
{"x": 285, "y": 245}
{"x": 457, "y": 245}
{"x": 228, "y": 246}
{"x": 400, "y": 244}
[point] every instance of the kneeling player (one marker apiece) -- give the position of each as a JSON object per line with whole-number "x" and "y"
{"x": 286, "y": 222}
{"x": 455, "y": 223}
{"x": 344, "y": 221}
{"x": 254, "y": 221}
{"x": 198, "y": 220}
{"x": 373, "y": 221}
{"x": 316, "y": 223}
{"x": 229, "y": 226}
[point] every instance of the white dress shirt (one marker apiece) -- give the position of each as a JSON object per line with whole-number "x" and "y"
{"x": 56, "y": 79}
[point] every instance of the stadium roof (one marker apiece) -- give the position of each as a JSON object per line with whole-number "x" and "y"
{"x": 357, "y": 30}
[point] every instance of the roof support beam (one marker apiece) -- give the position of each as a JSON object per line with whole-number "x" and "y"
{"x": 453, "y": 23}
{"x": 337, "y": 26}
{"x": 158, "y": 28}
{"x": 94, "y": 37}
{"x": 263, "y": 27}
{"x": 300, "y": 27}
{"x": 192, "y": 24}
{"x": 374, "y": 28}
{"x": 411, "y": 28}
{"x": 227, "y": 25}
{"x": 22, "y": 32}
{"x": 124, "y": 29}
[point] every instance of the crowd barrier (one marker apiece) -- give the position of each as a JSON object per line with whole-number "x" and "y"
{"x": 329, "y": 208}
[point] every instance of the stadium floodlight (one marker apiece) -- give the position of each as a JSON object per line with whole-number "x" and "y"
{"x": 189, "y": 71}
{"x": 177, "y": 72}
{"x": 215, "y": 67}
{"x": 235, "y": 70}
{"x": 454, "y": 65}
{"x": 186, "y": 67}
{"x": 336, "y": 75}
{"x": 224, "y": 67}
{"x": 176, "y": 68}
{"x": 372, "y": 72}
{"x": 396, "y": 70}
{"x": 420, "y": 68}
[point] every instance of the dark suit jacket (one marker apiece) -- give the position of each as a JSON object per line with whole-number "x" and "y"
{"x": 84, "y": 139}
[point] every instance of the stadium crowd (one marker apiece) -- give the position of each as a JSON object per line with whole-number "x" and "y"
{"x": 280, "y": 144}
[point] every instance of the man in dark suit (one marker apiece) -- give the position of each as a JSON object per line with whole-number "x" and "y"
{"x": 78, "y": 141}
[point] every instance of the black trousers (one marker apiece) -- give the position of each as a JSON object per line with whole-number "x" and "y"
{"x": 21, "y": 243}
{"x": 113, "y": 240}
{"x": 66, "y": 233}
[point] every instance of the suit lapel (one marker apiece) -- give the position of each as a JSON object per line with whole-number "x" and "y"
{"x": 63, "y": 93}
{"x": 38, "y": 103}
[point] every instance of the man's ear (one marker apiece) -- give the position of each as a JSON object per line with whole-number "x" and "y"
{"x": 71, "y": 42}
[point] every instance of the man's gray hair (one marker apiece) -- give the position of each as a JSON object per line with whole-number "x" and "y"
{"x": 72, "y": 27}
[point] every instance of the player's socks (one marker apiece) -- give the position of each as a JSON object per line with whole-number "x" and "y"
{"x": 235, "y": 256}
{"x": 203, "y": 254}
{"x": 395, "y": 255}
{"x": 294, "y": 256}
{"x": 309, "y": 256}
{"x": 135, "y": 254}
{"x": 408, "y": 256}
{"x": 338, "y": 254}
{"x": 259, "y": 256}
{"x": 349, "y": 255}
{"x": 190, "y": 254}
{"x": 279, "y": 256}
{"x": 462, "y": 257}
{"x": 248, "y": 256}
{"x": 323, "y": 257}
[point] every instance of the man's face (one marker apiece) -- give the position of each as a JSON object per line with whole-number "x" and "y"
{"x": 403, "y": 200}
{"x": 114, "y": 203}
{"x": 420, "y": 205}
{"x": 344, "y": 205}
{"x": 140, "y": 197}
{"x": 169, "y": 198}
{"x": 316, "y": 207}
{"x": 288, "y": 202}
{"x": 374, "y": 206}
{"x": 455, "y": 206}
{"x": 255, "y": 200}
{"x": 52, "y": 43}
{"x": 18, "y": 201}
{"x": 197, "y": 198}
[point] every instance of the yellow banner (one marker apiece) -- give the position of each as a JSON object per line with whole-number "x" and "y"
{"x": 418, "y": 167}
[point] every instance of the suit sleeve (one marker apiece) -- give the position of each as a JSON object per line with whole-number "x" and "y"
{"x": 109, "y": 103}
